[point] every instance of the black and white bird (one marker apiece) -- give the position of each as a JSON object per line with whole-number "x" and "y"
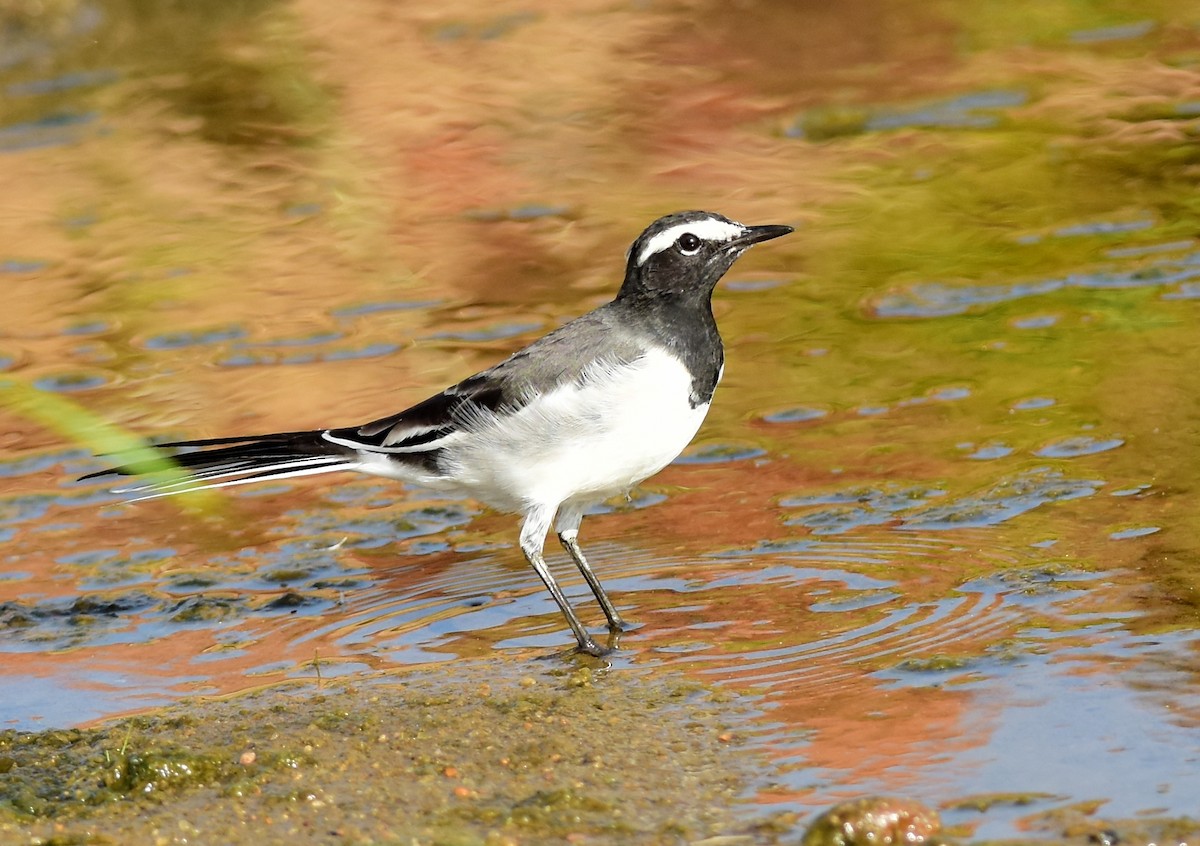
{"x": 578, "y": 416}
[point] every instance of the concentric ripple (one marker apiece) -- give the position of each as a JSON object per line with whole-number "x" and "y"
{"x": 819, "y": 613}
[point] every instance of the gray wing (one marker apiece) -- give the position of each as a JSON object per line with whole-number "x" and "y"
{"x": 562, "y": 357}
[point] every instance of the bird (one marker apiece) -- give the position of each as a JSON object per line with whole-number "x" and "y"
{"x": 580, "y": 415}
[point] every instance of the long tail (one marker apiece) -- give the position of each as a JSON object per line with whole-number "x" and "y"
{"x": 222, "y": 462}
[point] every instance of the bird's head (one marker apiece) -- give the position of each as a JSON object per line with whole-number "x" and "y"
{"x": 687, "y": 253}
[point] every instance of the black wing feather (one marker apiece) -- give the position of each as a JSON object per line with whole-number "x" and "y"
{"x": 549, "y": 362}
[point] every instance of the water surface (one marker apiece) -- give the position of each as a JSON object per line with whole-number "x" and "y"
{"x": 940, "y": 524}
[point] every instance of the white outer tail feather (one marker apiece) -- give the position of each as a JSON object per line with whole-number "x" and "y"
{"x": 196, "y": 481}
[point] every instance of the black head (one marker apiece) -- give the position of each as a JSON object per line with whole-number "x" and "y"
{"x": 687, "y": 253}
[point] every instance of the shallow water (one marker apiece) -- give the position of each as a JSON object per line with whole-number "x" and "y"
{"x": 940, "y": 522}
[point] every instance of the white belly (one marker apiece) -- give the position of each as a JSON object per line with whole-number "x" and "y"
{"x": 580, "y": 443}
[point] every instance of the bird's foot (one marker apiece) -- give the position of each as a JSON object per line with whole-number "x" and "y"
{"x": 618, "y": 625}
{"x": 590, "y": 647}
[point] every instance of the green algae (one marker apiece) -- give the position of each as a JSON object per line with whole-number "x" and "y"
{"x": 574, "y": 751}
{"x": 933, "y": 664}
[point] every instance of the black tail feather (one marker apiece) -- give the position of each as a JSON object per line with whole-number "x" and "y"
{"x": 235, "y": 461}
{"x": 274, "y": 437}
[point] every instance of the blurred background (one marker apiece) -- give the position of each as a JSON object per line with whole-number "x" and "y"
{"x": 942, "y": 523}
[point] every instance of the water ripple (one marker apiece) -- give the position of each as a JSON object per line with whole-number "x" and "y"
{"x": 1076, "y": 446}
{"x": 973, "y": 110}
{"x": 1002, "y": 501}
{"x": 51, "y": 131}
{"x": 192, "y": 338}
{"x": 719, "y": 453}
{"x": 62, "y": 383}
{"x": 934, "y": 299}
{"x": 910, "y": 509}
{"x": 869, "y": 621}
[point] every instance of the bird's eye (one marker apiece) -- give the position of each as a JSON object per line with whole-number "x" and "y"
{"x": 688, "y": 244}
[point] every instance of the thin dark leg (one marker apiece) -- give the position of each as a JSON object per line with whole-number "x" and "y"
{"x": 586, "y": 644}
{"x": 571, "y": 545}
{"x": 533, "y": 537}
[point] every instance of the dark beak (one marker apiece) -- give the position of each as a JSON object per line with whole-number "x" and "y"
{"x": 755, "y": 234}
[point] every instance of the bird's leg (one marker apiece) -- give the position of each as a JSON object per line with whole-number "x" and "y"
{"x": 533, "y": 540}
{"x": 568, "y": 532}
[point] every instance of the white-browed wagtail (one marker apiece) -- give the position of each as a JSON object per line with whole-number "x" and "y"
{"x": 578, "y": 416}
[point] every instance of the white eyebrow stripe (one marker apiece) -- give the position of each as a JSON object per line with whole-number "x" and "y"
{"x": 708, "y": 229}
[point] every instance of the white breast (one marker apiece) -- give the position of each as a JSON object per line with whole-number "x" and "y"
{"x": 580, "y": 443}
